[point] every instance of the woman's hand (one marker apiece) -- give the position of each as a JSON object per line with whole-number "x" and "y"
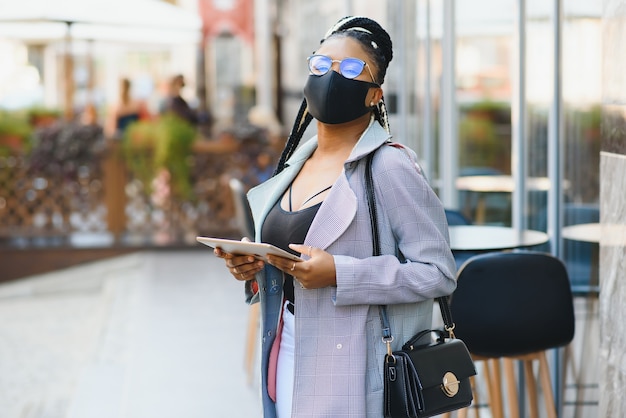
{"x": 316, "y": 272}
{"x": 242, "y": 267}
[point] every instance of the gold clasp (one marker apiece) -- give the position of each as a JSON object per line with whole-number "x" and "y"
{"x": 450, "y": 385}
{"x": 388, "y": 342}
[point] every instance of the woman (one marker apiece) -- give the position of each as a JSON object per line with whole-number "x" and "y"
{"x": 127, "y": 111}
{"x": 323, "y": 310}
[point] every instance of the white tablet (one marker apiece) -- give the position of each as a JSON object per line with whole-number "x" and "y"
{"x": 257, "y": 249}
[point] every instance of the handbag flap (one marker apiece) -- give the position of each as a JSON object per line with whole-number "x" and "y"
{"x": 433, "y": 361}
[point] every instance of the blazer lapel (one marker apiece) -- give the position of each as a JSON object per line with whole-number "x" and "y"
{"x": 340, "y": 206}
{"x": 334, "y": 216}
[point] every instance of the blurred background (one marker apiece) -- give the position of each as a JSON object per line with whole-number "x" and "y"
{"x": 124, "y": 123}
{"x": 89, "y": 156}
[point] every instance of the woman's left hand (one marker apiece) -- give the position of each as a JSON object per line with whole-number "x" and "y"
{"x": 316, "y": 272}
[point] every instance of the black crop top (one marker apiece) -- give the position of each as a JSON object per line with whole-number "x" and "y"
{"x": 282, "y": 228}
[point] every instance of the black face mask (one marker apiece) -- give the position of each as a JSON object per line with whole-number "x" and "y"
{"x": 332, "y": 98}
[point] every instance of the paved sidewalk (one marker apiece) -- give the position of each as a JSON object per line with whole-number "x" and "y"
{"x": 157, "y": 334}
{"x": 149, "y": 335}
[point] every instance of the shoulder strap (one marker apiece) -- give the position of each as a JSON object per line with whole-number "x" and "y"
{"x": 371, "y": 203}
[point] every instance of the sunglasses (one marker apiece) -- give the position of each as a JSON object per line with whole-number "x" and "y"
{"x": 348, "y": 67}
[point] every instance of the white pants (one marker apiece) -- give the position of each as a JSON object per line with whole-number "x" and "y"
{"x": 284, "y": 367}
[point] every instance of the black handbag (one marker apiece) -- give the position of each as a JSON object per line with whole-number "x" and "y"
{"x": 427, "y": 376}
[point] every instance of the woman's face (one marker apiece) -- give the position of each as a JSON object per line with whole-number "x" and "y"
{"x": 342, "y": 47}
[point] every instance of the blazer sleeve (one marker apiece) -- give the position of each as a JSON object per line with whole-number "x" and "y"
{"x": 417, "y": 263}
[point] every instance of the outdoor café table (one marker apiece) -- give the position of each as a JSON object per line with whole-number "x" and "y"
{"x": 609, "y": 235}
{"x": 499, "y": 183}
{"x": 583, "y": 232}
{"x": 495, "y": 184}
{"x": 605, "y": 234}
{"x": 589, "y": 232}
{"x": 493, "y": 238}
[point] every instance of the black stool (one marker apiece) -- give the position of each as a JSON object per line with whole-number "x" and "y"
{"x": 514, "y": 306}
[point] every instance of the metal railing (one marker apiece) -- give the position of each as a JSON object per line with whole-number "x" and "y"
{"x": 102, "y": 198}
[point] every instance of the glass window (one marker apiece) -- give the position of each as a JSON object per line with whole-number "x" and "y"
{"x": 484, "y": 67}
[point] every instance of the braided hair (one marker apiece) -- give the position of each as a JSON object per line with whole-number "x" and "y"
{"x": 377, "y": 44}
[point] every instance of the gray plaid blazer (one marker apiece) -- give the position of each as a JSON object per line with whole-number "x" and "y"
{"x": 339, "y": 352}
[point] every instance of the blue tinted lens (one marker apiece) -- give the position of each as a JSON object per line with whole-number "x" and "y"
{"x": 319, "y": 64}
{"x": 348, "y": 67}
{"x": 351, "y": 67}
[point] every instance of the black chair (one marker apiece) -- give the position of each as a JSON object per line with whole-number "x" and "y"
{"x": 455, "y": 217}
{"x": 514, "y": 306}
{"x": 243, "y": 215}
{"x": 245, "y": 225}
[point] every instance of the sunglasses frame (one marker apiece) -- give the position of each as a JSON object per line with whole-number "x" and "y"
{"x": 340, "y": 62}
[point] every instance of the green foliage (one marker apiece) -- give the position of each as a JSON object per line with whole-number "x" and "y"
{"x": 15, "y": 132}
{"x": 478, "y": 141}
{"x": 173, "y": 149}
{"x": 486, "y": 106}
{"x": 37, "y": 113}
{"x": 481, "y": 139}
{"x": 137, "y": 150}
{"x": 164, "y": 143}
{"x": 589, "y": 119}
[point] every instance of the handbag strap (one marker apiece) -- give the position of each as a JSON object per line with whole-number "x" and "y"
{"x": 382, "y": 309}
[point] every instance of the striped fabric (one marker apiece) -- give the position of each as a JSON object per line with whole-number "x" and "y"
{"x": 339, "y": 352}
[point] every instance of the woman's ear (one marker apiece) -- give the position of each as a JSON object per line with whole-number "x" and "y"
{"x": 376, "y": 96}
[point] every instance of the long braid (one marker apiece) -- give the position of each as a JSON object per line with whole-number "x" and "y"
{"x": 303, "y": 119}
{"x": 381, "y": 115}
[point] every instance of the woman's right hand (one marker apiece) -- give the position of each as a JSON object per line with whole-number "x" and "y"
{"x": 242, "y": 267}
